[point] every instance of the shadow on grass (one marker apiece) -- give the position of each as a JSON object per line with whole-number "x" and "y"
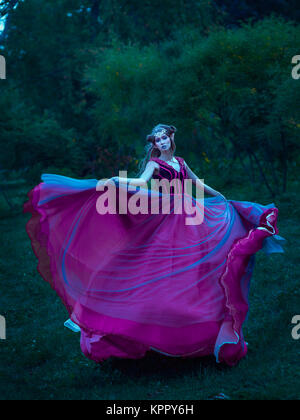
{"x": 155, "y": 364}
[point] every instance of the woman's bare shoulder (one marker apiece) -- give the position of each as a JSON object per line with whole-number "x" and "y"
{"x": 152, "y": 164}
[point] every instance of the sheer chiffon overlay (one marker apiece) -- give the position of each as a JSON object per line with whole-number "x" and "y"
{"x": 133, "y": 283}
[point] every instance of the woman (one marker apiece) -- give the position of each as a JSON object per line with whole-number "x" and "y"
{"x": 133, "y": 282}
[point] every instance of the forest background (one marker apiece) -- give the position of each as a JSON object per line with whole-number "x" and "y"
{"x": 86, "y": 81}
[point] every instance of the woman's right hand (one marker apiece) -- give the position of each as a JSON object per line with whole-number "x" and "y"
{"x": 110, "y": 181}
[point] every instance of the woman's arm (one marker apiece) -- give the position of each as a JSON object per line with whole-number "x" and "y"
{"x": 142, "y": 180}
{"x": 199, "y": 184}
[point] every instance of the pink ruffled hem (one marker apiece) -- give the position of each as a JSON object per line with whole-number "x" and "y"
{"x": 230, "y": 345}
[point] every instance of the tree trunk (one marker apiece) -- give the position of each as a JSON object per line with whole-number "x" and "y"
{"x": 6, "y": 198}
{"x": 264, "y": 178}
{"x": 247, "y": 172}
{"x": 269, "y": 159}
{"x": 284, "y": 161}
{"x": 253, "y": 175}
{"x": 95, "y": 14}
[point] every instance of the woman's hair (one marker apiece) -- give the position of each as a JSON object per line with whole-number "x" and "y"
{"x": 151, "y": 150}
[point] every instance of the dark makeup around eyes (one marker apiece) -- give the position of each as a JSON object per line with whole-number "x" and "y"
{"x": 161, "y": 138}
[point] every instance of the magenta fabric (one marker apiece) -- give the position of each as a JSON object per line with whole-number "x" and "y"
{"x": 149, "y": 282}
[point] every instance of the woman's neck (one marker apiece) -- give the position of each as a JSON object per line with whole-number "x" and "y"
{"x": 166, "y": 156}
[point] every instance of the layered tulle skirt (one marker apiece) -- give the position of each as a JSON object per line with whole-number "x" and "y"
{"x": 137, "y": 282}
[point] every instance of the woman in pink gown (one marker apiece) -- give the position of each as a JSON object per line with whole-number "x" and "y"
{"x": 134, "y": 281}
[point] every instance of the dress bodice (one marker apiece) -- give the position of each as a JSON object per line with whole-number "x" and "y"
{"x": 167, "y": 172}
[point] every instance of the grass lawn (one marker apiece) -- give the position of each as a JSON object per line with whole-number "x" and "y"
{"x": 42, "y": 360}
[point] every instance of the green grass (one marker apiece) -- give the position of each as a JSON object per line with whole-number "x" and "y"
{"x": 42, "y": 360}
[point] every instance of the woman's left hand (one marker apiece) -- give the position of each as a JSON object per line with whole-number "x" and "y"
{"x": 111, "y": 181}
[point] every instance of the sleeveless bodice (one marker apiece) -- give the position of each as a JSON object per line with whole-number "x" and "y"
{"x": 167, "y": 172}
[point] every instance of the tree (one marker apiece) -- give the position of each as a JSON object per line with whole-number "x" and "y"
{"x": 6, "y": 7}
{"x": 238, "y": 11}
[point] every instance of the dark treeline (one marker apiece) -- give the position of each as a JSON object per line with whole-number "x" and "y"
{"x": 87, "y": 80}
{"x": 240, "y": 10}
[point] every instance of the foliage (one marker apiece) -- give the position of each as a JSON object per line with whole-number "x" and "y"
{"x": 153, "y": 21}
{"x": 250, "y": 110}
{"x": 231, "y": 94}
{"x": 241, "y": 10}
{"x": 29, "y": 139}
{"x": 78, "y": 101}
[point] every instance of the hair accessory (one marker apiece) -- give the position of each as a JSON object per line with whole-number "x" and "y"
{"x": 160, "y": 133}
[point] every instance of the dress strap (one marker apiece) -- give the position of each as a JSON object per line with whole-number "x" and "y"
{"x": 180, "y": 160}
{"x": 161, "y": 162}
{"x": 176, "y": 157}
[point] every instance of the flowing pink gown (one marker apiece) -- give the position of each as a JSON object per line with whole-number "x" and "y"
{"x": 149, "y": 282}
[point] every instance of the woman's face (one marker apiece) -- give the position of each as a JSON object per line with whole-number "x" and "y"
{"x": 163, "y": 142}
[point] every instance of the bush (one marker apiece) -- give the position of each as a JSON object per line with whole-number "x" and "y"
{"x": 224, "y": 92}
